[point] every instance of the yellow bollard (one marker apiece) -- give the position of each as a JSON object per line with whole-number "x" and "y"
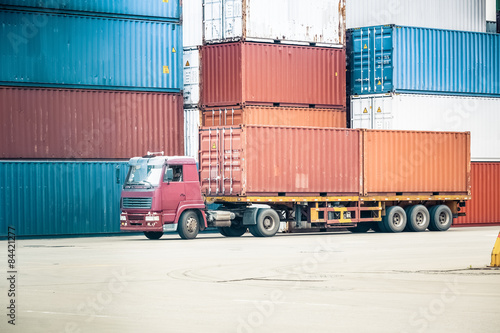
{"x": 495, "y": 254}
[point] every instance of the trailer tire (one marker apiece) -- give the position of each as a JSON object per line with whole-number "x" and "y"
{"x": 394, "y": 219}
{"x": 189, "y": 225}
{"x": 418, "y": 218}
{"x": 153, "y": 234}
{"x": 268, "y": 223}
{"x": 360, "y": 228}
{"x": 232, "y": 231}
{"x": 441, "y": 218}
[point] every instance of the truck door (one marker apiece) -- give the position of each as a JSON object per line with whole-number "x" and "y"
{"x": 173, "y": 191}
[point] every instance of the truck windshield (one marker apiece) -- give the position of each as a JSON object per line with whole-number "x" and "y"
{"x": 144, "y": 174}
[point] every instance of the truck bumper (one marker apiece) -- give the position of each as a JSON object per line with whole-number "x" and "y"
{"x": 141, "y": 222}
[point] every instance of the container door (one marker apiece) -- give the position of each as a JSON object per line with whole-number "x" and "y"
{"x": 381, "y": 113}
{"x": 213, "y": 20}
{"x": 220, "y": 161}
{"x": 233, "y": 19}
{"x": 361, "y": 111}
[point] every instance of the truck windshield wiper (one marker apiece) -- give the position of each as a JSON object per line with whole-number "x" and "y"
{"x": 145, "y": 181}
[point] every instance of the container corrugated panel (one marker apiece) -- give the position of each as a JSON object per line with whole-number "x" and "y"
{"x": 464, "y": 15}
{"x": 191, "y": 76}
{"x": 191, "y": 137}
{"x": 266, "y": 74}
{"x": 44, "y": 49}
{"x": 416, "y": 162}
{"x": 485, "y": 190}
{"x": 150, "y": 8}
{"x": 257, "y": 160}
{"x": 276, "y": 116}
{"x": 88, "y": 124}
{"x": 420, "y": 60}
{"x": 192, "y": 23}
{"x": 61, "y": 198}
{"x": 478, "y": 115}
{"x": 313, "y": 21}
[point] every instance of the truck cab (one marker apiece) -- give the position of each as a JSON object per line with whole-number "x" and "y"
{"x": 158, "y": 193}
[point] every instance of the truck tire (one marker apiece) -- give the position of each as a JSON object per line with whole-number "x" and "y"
{"x": 153, "y": 234}
{"x": 360, "y": 228}
{"x": 232, "y": 231}
{"x": 268, "y": 223}
{"x": 394, "y": 219}
{"x": 441, "y": 218}
{"x": 189, "y": 225}
{"x": 418, "y": 218}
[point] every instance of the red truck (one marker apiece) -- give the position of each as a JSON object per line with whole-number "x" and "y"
{"x": 307, "y": 179}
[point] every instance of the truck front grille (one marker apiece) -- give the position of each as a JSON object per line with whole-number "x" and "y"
{"x": 142, "y": 203}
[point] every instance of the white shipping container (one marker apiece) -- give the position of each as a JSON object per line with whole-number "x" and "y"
{"x": 312, "y": 21}
{"x": 191, "y": 125}
{"x": 192, "y": 23}
{"x": 478, "y": 115}
{"x": 467, "y": 15}
{"x": 191, "y": 58}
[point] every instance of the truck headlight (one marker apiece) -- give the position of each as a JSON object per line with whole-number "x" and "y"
{"x": 152, "y": 218}
{"x": 123, "y": 218}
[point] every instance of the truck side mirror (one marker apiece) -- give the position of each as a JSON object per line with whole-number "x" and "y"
{"x": 169, "y": 175}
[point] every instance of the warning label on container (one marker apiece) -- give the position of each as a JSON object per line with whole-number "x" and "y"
{"x": 365, "y": 47}
{"x": 214, "y": 146}
{"x": 173, "y": 50}
{"x": 379, "y": 83}
{"x": 187, "y": 63}
{"x": 165, "y": 1}
{"x": 379, "y": 110}
{"x": 365, "y": 111}
{"x": 166, "y": 70}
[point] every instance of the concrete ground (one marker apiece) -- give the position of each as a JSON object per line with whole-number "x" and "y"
{"x": 336, "y": 282}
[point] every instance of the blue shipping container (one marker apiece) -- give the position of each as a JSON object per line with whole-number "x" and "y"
{"x": 54, "y": 50}
{"x": 154, "y": 9}
{"x": 421, "y": 60}
{"x": 61, "y": 198}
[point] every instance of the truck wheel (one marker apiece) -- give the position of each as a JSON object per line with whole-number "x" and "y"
{"x": 188, "y": 225}
{"x": 232, "y": 231}
{"x": 418, "y": 218}
{"x": 441, "y": 218}
{"x": 360, "y": 228}
{"x": 268, "y": 223}
{"x": 153, "y": 234}
{"x": 394, "y": 219}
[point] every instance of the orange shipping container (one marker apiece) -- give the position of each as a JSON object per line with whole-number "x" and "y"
{"x": 276, "y": 116}
{"x": 89, "y": 124}
{"x": 272, "y": 160}
{"x": 416, "y": 162}
{"x": 246, "y": 73}
{"x": 484, "y": 207}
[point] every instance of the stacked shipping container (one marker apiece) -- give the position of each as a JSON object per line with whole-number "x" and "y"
{"x": 411, "y": 74}
{"x": 273, "y": 64}
{"x": 92, "y": 81}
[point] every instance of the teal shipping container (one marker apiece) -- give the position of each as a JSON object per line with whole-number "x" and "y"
{"x": 153, "y": 9}
{"x": 59, "y": 50}
{"x": 400, "y": 59}
{"x": 45, "y": 198}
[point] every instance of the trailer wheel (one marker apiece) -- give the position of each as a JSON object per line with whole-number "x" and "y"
{"x": 268, "y": 223}
{"x": 441, "y": 218}
{"x": 418, "y": 218}
{"x": 360, "y": 228}
{"x": 189, "y": 225}
{"x": 232, "y": 231}
{"x": 153, "y": 234}
{"x": 394, "y": 219}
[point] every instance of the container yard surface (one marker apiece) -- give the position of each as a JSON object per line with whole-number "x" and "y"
{"x": 338, "y": 282}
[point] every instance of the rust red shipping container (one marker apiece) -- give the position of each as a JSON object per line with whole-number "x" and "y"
{"x": 484, "y": 207}
{"x": 89, "y": 124}
{"x": 269, "y": 160}
{"x": 246, "y": 73}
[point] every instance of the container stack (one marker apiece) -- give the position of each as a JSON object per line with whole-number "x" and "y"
{"x": 83, "y": 86}
{"x": 273, "y": 63}
{"x": 432, "y": 72}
